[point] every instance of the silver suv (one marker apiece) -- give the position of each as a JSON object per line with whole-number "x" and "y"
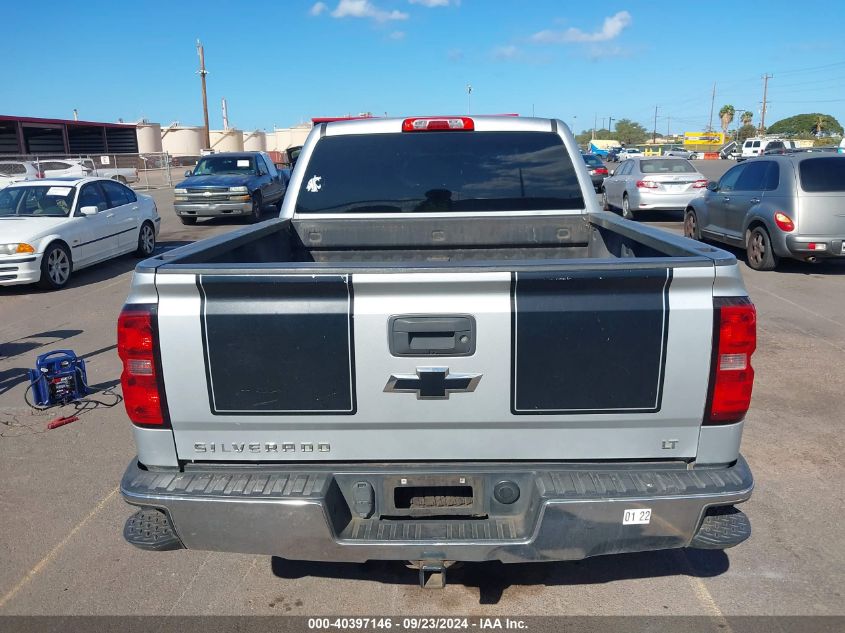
{"x": 777, "y": 206}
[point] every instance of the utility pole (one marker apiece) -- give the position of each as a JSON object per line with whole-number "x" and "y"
{"x": 610, "y": 124}
{"x": 712, "y": 103}
{"x": 595, "y": 122}
{"x": 668, "y": 125}
{"x": 202, "y": 73}
{"x": 469, "y": 98}
{"x": 766, "y": 78}
{"x": 654, "y": 129}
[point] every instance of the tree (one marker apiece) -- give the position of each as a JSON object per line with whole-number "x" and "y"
{"x": 629, "y": 132}
{"x": 726, "y": 114}
{"x": 807, "y": 125}
{"x": 746, "y": 117}
{"x": 746, "y": 131}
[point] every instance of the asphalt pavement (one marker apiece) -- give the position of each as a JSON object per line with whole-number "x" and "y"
{"x": 61, "y": 515}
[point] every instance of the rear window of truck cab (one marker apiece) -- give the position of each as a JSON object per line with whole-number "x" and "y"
{"x": 450, "y": 171}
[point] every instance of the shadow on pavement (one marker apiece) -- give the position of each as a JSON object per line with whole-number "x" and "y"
{"x": 494, "y": 578}
{"x": 27, "y": 343}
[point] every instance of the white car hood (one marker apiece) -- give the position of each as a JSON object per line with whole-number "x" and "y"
{"x": 15, "y": 229}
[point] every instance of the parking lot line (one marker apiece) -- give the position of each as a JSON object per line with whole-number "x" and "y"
{"x": 40, "y": 565}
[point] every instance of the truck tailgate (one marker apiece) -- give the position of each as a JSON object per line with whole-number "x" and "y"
{"x": 587, "y": 364}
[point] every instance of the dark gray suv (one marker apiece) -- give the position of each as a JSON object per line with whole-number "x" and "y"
{"x": 775, "y": 206}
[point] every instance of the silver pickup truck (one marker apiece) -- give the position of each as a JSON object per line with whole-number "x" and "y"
{"x": 442, "y": 350}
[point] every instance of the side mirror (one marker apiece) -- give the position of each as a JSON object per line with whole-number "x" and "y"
{"x": 612, "y": 171}
{"x": 188, "y": 173}
{"x": 92, "y": 210}
{"x": 713, "y": 185}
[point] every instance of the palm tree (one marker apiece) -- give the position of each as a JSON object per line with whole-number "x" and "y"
{"x": 746, "y": 117}
{"x": 726, "y": 114}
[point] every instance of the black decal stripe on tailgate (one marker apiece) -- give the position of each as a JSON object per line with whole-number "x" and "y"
{"x": 278, "y": 344}
{"x": 589, "y": 342}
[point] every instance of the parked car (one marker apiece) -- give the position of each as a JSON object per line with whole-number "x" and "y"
{"x": 442, "y": 350}
{"x": 232, "y": 183}
{"x": 59, "y": 168}
{"x": 775, "y": 207}
{"x": 639, "y": 184}
{"x": 18, "y": 170}
{"x": 779, "y": 147}
{"x": 51, "y": 228}
{"x": 679, "y": 152}
{"x": 596, "y": 169}
{"x": 628, "y": 152}
{"x": 613, "y": 155}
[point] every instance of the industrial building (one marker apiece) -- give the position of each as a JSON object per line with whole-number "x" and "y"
{"x": 34, "y": 136}
{"x": 29, "y": 135}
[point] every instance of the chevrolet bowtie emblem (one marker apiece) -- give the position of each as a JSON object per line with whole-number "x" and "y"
{"x": 432, "y": 383}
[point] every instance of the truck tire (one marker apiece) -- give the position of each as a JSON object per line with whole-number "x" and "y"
{"x": 188, "y": 219}
{"x": 146, "y": 240}
{"x": 56, "y": 267}
{"x": 255, "y": 214}
{"x": 626, "y": 208}
{"x": 758, "y": 249}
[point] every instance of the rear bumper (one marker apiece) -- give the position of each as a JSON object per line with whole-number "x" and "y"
{"x": 562, "y": 513}
{"x": 662, "y": 201}
{"x": 799, "y": 246}
{"x": 207, "y": 209}
{"x": 20, "y": 270}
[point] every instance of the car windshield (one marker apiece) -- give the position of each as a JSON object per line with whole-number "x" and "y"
{"x": 593, "y": 161}
{"x": 41, "y": 201}
{"x": 631, "y": 151}
{"x": 439, "y": 172}
{"x": 823, "y": 174}
{"x": 664, "y": 166}
{"x": 211, "y": 165}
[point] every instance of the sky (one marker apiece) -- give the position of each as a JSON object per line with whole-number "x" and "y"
{"x": 280, "y": 63}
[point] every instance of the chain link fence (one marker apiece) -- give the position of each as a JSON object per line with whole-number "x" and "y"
{"x": 139, "y": 171}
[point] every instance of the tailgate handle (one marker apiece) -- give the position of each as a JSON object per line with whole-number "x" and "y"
{"x": 432, "y": 335}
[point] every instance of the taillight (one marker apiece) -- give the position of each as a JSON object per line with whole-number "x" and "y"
{"x": 602, "y": 171}
{"x": 699, "y": 184}
{"x": 646, "y": 184}
{"x": 39, "y": 174}
{"x": 731, "y": 373}
{"x": 784, "y": 222}
{"x": 137, "y": 346}
{"x": 426, "y": 124}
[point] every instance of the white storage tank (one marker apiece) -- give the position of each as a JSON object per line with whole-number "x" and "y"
{"x": 255, "y": 141}
{"x": 149, "y": 138}
{"x": 289, "y": 137}
{"x": 231, "y": 140}
{"x": 182, "y": 141}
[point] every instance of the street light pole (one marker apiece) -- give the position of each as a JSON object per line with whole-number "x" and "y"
{"x": 202, "y": 73}
{"x": 469, "y": 99}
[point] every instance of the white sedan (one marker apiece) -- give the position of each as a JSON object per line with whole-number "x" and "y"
{"x": 50, "y": 228}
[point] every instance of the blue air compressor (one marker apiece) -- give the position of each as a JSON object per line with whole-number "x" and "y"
{"x": 58, "y": 378}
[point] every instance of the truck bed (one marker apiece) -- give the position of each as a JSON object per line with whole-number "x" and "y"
{"x": 438, "y": 243}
